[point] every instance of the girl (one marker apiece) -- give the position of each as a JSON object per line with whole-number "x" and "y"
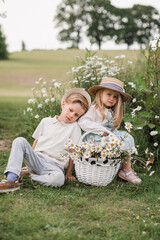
{"x": 105, "y": 116}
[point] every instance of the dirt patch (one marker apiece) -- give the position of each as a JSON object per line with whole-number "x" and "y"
{"x": 5, "y": 145}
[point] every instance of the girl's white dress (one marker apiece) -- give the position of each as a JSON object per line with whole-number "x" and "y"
{"x": 92, "y": 124}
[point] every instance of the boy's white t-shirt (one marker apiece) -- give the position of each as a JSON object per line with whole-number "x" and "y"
{"x": 52, "y": 135}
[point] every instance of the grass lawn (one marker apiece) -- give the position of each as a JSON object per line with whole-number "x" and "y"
{"x": 119, "y": 211}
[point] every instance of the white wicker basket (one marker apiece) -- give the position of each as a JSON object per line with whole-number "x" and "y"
{"x": 96, "y": 175}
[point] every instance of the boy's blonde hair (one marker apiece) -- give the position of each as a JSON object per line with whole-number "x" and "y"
{"x": 78, "y": 98}
{"x": 117, "y": 110}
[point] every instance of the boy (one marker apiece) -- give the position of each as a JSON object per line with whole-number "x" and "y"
{"x": 43, "y": 158}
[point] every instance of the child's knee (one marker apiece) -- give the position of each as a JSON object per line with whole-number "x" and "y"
{"x": 56, "y": 179}
{"x": 19, "y": 141}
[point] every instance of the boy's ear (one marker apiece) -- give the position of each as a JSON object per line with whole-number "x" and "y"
{"x": 63, "y": 103}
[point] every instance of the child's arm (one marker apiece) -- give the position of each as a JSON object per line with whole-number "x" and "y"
{"x": 69, "y": 171}
{"x": 88, "y": 122}
{"x": 34, "y": 143}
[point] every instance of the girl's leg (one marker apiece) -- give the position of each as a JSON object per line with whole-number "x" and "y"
{"x": 127, "y": 164}
{"x": 127, "y": 173}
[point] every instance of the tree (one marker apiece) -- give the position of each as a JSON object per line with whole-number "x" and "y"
{"x": 70, "y": 20}
{"x": 137, "y": 24}
{"x": 92, "y": 17}
{"x": 100, "y": 20}
{"x": 23, "y": 46}
{"x": 3, "y": 46}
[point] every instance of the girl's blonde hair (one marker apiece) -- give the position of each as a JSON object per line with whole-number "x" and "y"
{"x": 117, "y": 110}
{"x": 78, "y": 98}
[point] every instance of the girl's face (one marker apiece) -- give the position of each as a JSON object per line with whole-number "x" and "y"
{"x": 71, "y": 112}
{"x": 109, "y": 98}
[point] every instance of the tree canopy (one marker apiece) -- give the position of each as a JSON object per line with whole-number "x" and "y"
{"x": 137, "y": 24}
{"x": 100, "y": 21}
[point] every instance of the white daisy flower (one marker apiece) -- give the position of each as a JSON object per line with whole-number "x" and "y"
{"x": 85, "y": 145}
{"x": 128, "y": 126}
{"x": 52, "y": 99}
{"x": 153, "y": 133}
{"x": 44, "y": 95}
{"x": 57, "y": 85}
{"x": 31, "y": 100}
{"x": 155, "y": 144}
{"x": 47, "y": 100}
{"x": 98, "y": 148}
{"x": 132, "y": 84}
{"x": 43, "y": 90}
{"x": 103, "y": 141}
{"x": 72, "y": 146}
{"x": 87, "y": 154}
{"x": 29, "y": 109}
{"x": 39, "y": 105}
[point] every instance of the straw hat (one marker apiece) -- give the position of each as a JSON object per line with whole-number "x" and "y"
{"x": 112, "y": 84}
{"x": 79, "y": 91}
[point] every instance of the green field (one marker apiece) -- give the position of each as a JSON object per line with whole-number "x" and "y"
{"x": 119, "y": 211}
{"x": 19, "y": 73}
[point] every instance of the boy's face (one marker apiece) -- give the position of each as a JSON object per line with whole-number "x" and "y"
{"x": 71, "y": 112}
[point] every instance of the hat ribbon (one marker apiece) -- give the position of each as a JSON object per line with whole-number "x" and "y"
{"x": 113, "y": 86}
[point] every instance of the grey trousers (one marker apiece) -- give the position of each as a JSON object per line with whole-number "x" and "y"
{"x": 48, "y": 172}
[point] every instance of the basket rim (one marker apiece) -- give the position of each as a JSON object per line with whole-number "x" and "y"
{"x": 99, "y": 164}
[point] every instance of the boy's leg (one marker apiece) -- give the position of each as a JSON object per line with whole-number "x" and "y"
{"x": 22, "y": 150}
{"x": 52, "y": 176}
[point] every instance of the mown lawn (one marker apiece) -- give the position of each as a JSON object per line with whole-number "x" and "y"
{"x": 119, "y": 211}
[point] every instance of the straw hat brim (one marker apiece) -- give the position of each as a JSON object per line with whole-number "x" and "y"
{"x": 93, "y": 90}
{"x": 77, "y": 91}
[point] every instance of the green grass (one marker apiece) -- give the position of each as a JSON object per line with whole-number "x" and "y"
{"x": 119, "y": 211}
{"x": 11, "y": 118}
{"x": 19, "y": 73}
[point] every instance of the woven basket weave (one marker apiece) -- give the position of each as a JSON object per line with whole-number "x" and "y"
{"x": 96, "y": 175}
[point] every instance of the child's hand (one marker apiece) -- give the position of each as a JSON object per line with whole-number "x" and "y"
{"x": 70, "y": 178}
{"x": 105, "y": 134}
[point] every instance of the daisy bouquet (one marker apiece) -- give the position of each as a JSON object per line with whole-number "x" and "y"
{"x": 110, "y": 148}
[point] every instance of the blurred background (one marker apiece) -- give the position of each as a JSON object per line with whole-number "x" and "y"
{"x": 33, "y": 24}
{"x": 33, "y": 35}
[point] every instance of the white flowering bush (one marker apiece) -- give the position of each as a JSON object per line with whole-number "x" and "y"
{"x": 143, "y": 111}
{"x": 98, "y": 153}
{"x": 46, "y": 102}
{"x": 91, "y": 71}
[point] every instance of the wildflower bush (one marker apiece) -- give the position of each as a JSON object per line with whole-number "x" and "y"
{"x": 91, "y": 71}
{"x": 46, "y": 102}
{"x": 144, "y": 109}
